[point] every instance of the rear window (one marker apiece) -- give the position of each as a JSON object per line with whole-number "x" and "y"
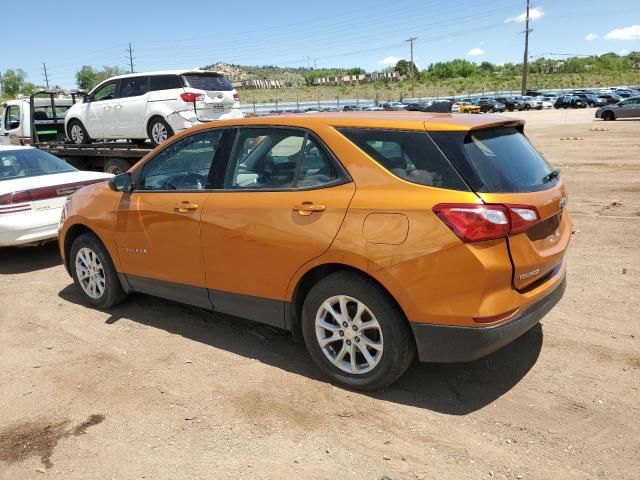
{"x": 496, "y": 160}
{"x": 29, "y": 162}
{"x": 207, "y": 81}
{"x": 165, "y": 82}
{"x": 409, "y": 155}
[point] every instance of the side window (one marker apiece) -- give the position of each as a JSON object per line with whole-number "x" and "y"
{"x": 316, "y": 169}
{"x": 12, "y": 117}
{"x": 106, "y": 92}
{"x": 165, "y": 82}
{"x": 278, "y": 159}
{"x": 183, "y": 165}
{"x": 134, "y": 86}
{"x": 409, "y": 155}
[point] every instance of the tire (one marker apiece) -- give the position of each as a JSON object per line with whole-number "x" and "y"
{"x": 116, "y": 166}
{"x": 608, "y": 116}
{"x": 591, "y": 105}
{"x": 527, "y": 106}
{"x": 159, "y": 131}
{"x": 77, "y": 133}
{"x": 89, "y": 255}
{"x": 393, "y": 344}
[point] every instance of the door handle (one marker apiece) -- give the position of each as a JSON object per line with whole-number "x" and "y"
{"x": 307, "y": 208}
{"x": 118, "y": 106}
{"x": 185, "y": 207}
{"x": 107, "y": 108}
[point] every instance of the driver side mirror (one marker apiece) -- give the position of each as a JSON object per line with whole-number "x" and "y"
{"x": 122, "y": 183}
{"x": 86, "y": 99}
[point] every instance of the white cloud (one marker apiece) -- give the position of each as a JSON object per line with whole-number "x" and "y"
{"x": 627, "y": 33}
{"x": 623, "y": 52}
{"x": 591, "y": 36}
{"x": 483, "y": 42}
{"x": 536, "y": 13}
{"x": 390, "y": 60}
{"x": 474, "y": 52}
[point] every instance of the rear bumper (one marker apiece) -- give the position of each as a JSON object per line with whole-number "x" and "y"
{"x": 29, "y": 227}
{"x": 450, "y": 344}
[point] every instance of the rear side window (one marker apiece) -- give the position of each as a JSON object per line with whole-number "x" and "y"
{"x": 165, "y": 82}
{"x": 496, "y": 160}
{"x": 410, "y": 155}
{"x": 134, "y": 86}
{"x": 207, "y": 81}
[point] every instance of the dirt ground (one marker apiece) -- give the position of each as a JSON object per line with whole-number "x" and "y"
{"x": 156, "y": 390}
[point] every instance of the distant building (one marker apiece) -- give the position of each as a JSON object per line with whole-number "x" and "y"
{"x": 357, "y": 79}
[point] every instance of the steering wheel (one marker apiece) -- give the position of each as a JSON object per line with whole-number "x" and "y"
{"x": 188, "y": 181}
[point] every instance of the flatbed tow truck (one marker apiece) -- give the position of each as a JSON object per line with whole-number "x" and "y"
{"x": 39, "y": 121}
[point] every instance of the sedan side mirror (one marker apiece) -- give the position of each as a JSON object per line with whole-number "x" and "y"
{"x": 122, "y": 183}
{"x": 86, "y": 99}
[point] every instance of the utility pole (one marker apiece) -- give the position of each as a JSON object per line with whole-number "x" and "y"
{"x": 46, "y": 76}
{"x": 525, "y": 61}
{"x": 131, "y": 57}
{"x": 411, "y": 73}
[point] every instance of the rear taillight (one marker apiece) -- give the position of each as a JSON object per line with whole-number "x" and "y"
{"x": 191, "y": 97}
{"x": 477, "y": 222}
{"x": 20, "y": 201}
{"x": 236, "y": 97}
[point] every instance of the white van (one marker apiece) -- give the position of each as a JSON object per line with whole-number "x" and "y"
{"x": 16, "y": 121}
{"x": 153, "y": 105}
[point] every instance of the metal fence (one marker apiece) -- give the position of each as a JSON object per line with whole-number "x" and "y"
{"x": 298, "y": 106}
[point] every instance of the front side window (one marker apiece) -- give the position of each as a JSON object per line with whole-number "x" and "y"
{"x": 106, "y": 92}
{"x": 183, "y": 165}
{"x": 134, "y": 86}
{"x": 278, "y": 159}
{"x": 12, "y": 117}
{"x": 410, "y": 155}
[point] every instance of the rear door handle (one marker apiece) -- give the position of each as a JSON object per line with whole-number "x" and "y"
{"x": 307, "y": 208}
{"x": 185, "y": 207}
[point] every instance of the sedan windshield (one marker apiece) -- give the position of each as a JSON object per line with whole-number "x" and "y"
{"x": 30, "y": 162}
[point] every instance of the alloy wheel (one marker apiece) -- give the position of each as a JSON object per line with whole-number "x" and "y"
{"x": 349, "y": 334}
{"x": 77, "y": 136}
{"x": 159, "y": 133}
{"x": 90, "y": 272}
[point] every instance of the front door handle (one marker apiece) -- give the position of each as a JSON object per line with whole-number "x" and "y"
{"x": 185, "y": 207}
{"x": 307, "y": 208}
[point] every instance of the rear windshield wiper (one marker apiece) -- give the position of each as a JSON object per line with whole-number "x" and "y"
{"x": 550, "y": 176}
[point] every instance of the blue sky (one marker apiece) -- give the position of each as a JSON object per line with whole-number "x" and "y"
{"x": 332, "y": 33}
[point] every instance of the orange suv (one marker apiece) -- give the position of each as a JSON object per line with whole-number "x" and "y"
{"x": 372, "y": 236}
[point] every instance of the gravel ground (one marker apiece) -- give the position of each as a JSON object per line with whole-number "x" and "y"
{"x": 152, "y": 389}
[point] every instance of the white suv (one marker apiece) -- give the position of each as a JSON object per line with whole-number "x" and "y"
{"x": 153, "y": 105}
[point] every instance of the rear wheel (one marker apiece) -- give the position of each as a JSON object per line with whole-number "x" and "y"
{"x": 158, "y": 131}
{"x": 355, "y": 333}
{"x": 77, "y": 133}
{"x": 527, "y": 106}
{"x": 608, "y": 116}
{"x": 116, "y": 166}
{"x": 93, "y": 272}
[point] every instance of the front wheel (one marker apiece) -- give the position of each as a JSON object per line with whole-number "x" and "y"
{"x": 355, "y": 333}
{"x": 527, "y": 107}
{"x": 94, "y": 273}
{"x": 158, "y": 131}
{"x": 608, "y": 116}
{"x": 77, "y": 133}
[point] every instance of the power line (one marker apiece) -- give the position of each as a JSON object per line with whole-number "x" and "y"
{"x": 46, "y": 76}
{"x": 525, "y": 61}
{"x": 411, "y": 66}
{"x": 131, "y": 57}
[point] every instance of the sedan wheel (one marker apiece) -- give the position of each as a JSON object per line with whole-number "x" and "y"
{"x": 349, "y": 334}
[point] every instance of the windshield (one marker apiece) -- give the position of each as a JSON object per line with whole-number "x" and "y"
{"x": 207, "y": 81}
{"x": 496, "y": 160}
{"x": 30, "y": 162}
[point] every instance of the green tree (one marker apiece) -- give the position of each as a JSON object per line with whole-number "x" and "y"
{"x": 404, "y": 67}
{"x": 356, "y": 71}
{"x": 87, "y": 77}
{"x": 13, "y": 82}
